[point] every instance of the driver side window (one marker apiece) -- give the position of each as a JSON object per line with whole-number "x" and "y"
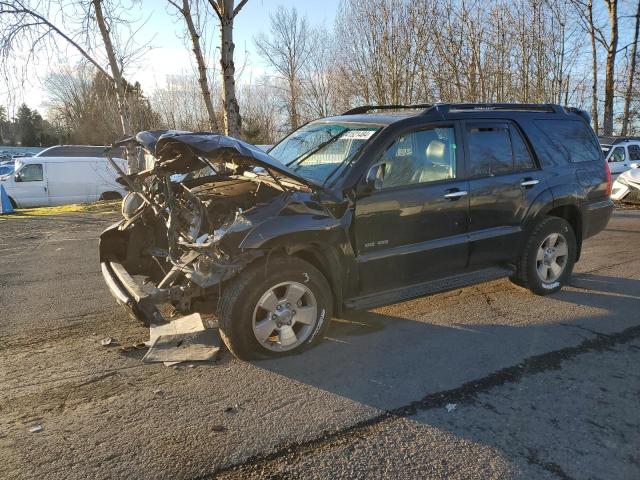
{"x": 420, "y": 157}
{"x": 618, "y": 155}
{"x": 31, "y": 173}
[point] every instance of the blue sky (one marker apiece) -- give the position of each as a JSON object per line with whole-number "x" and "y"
{"x": 171, "y": 55}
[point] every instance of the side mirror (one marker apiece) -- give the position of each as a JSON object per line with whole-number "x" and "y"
{"x": 634, "y": 164}
{"x": 373, "y": 180}
{"x": 18, "y": 177}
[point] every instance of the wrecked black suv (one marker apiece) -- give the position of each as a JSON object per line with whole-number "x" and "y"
{"x": 354, "y": 211}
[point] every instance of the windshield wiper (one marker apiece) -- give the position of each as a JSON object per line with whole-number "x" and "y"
{"x": 304, "y": 156}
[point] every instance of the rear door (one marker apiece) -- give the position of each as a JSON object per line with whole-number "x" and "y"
{"x": 412, "y": 228}
{"x": 503, "y": 182}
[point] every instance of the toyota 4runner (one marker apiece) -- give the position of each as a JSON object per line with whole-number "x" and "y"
{"x": 352, "y": 212}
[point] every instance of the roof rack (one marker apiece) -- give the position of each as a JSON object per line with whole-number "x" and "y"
{"x": 366, "y": 108}
{"x": 536, "y": 107}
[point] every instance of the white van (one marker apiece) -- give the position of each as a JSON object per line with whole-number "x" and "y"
{"x": 622, "y": 153}
{"x": 62, "y": 175}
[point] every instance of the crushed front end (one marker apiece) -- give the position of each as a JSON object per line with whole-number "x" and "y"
{"x": 184, "y": 220}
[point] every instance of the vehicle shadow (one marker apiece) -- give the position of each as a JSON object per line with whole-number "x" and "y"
{"x": 385, "y": 361}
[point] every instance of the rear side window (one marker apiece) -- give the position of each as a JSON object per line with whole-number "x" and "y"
{"x": 496, "y": 149}
{"x": 572, "y": 140}
{"x": 634, "y": 152}
{"x": 490, "y": 150}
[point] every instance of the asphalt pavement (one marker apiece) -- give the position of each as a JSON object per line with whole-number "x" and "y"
{"x": 489, "y": 381}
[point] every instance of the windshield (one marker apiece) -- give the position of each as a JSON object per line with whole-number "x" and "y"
{"x": 319, "y": 151}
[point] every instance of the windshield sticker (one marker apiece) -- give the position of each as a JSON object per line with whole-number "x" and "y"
{"x": 358, "y": 134}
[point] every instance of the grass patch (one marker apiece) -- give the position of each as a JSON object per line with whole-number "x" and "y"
{"x": 109, "y": 206}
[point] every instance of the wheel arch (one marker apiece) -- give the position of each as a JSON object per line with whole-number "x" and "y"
{"x": 570, "y": 213}
{"x": 564, "y": 206}
{"x": 324, "y": 258}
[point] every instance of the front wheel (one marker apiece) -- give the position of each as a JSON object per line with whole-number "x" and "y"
{"x": 548, "y": 257}
{"x": 275, "y": 307}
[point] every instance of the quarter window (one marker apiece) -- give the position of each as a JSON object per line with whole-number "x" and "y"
{"x": 572, "y": 140}
{"x": 31, "y": 173}
{"x": 420, "y": 157}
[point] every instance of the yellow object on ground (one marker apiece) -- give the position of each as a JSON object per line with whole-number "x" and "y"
{"x": 109, "y": 206}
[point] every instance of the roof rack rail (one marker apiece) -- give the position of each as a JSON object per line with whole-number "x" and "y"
{"x": 538, "y": 107}
{"x": 366, "y": 108}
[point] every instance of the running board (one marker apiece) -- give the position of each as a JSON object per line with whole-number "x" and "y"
{"x": 428, "y": 288}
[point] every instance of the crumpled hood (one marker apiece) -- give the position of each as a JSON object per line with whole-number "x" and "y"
{"x": 178, "y": 152}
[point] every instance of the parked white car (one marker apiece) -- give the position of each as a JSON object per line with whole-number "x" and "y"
{"x": 621, "y": 153}
{"x": 62, "y": 175}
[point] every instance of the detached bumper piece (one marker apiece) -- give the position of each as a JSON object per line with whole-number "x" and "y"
{"x": 129, "y": 294}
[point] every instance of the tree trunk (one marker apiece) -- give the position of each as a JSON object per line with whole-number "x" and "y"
{"x": 232, "y": 120}
{"x": 632, "y": 73}
{"x": 117, "y": 79}
{"x": 609, "y": 86}
{"x": 293, "y": 111}
{"x": 594, "y": 66}
{"x": 202, "y": 68}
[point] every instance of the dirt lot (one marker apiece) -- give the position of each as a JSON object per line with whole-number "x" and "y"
{"x": 483, "y": 382}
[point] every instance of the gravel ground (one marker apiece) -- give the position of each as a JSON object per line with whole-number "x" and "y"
{"x": 542, "y": 387}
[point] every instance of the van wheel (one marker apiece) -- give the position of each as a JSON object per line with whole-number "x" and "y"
{"x": 548, "y": 257}
{"x": 110, "y": 196}
{"x": 276, "y": 307}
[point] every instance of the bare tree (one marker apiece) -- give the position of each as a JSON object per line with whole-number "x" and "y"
{"x": 631, "y": 76}
{"x": 609, "y": 83}
{"x": 181, "y": 105}
{"x": 287, "y": 51}
{"x": 29, "y": 25}
{"x": 320, "y": 79}
{"x": 185, "y": 10}
{"x": 227, "y": 12}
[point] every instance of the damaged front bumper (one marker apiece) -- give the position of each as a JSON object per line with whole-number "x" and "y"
{"x": 129, "y": 294}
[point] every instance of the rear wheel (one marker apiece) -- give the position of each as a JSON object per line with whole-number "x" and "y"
{"x": 548, "y": 257}
{"x": 110, "y": 196}
{"x": 275, "y": 307}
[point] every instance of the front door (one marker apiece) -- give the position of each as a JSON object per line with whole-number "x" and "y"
{"x": 411, "y": 228}
{"x": 30, "y": 186}
{"x": 503, "y": 182}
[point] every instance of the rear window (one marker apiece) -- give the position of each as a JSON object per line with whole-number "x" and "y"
{"x": 572, "y": 140}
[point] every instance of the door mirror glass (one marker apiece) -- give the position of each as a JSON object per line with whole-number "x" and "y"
{"x": 18, "y": 177}
{"x": 634, "y": 165}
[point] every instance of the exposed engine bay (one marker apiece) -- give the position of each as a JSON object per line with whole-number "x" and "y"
{"x": 175, "y": 231}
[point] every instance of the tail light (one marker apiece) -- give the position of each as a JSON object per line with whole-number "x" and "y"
{"x": 608, "y": 174}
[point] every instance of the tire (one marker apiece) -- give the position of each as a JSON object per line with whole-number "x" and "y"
{"x": 110, "y": 196}
{"x": 537, "y": 272}
{"x": 243, "y": 319}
